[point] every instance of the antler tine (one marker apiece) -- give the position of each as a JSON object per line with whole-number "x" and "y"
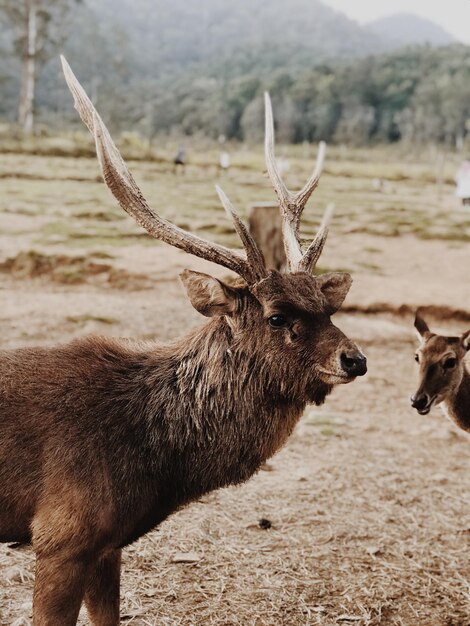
{"x": 124, "y": 188}
{"x": 303, "y": 196}
{"x": 313, "y": 252}
{"x": 281, "y": 190}
{"x": 292, "y": 204}
{"x": 254, "y": 255}
{"x": 286, "y": 199}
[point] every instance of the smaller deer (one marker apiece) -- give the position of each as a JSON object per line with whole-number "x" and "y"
{"x": 444, "y": 377}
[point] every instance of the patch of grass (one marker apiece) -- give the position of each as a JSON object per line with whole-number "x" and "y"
{"x": 100, "y": 254}
{"x": 69, "y": 232}
{"x": 326, "y": 424}
{"x": 219, "y": 229}
{"x": 328, "y": 270}
{"x": 100, "y": 216}
{"x": 456, "y": 235}
{"x": 328, "y": 431}
{"x": 69, "y": 275}
{"x": 29, "y": 211}
{"x": 83, "y": 319}
{"x": 60, "y": 268}
{"x": 372, "y": 267}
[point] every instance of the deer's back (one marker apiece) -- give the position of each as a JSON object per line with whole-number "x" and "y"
{"x": 58, "y": 432}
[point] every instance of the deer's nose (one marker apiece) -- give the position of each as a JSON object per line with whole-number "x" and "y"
{"x": 420, "y": 402}
{"x": 354, "y": 363}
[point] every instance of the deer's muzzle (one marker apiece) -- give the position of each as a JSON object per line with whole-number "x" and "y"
{"x": 354, "y": 363}
{"x": 422, "y": 402}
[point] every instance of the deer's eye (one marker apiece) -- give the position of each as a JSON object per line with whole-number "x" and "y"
{"x": 278, "y": 321}
{"x": 449, "y": 363}
{"x": 417, "y": 358}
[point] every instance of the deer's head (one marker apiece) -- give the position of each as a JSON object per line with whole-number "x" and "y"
{"x": 441, "y": 366}
{"x": 287, "y": 315}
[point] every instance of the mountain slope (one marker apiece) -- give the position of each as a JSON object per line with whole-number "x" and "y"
{"x": 405, "y": 29}
{"x": 179, "y": 32}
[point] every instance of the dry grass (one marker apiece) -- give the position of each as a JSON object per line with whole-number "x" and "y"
{"x": 68, "y": 270}
{"x": 368, "y": 503}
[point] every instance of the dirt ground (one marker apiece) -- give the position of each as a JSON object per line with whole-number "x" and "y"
{"x": 368, "y": 503}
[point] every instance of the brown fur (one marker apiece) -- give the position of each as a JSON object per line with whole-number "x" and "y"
{"x": 102, "y": 439}
{"x": 444, "y": 377}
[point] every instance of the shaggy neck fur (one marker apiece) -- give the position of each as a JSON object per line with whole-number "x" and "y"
{"x": 232, "y": 407}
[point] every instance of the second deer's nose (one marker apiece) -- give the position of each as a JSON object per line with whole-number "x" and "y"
{"x": 420, "y": 401}
{"x": 354, "y": 363}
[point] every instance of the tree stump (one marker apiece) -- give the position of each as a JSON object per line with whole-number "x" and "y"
{"x": 264, "y": 222}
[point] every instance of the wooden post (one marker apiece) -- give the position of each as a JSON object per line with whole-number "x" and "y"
{"x": 264, "y": 222}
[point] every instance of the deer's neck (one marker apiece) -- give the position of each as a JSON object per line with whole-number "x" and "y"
{"x": 224, "y": 407}
{"x": 458, "y": 406}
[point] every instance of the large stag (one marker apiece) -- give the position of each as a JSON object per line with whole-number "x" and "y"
{"x": 444, "y": 377}
{"x": 102, "y": 439}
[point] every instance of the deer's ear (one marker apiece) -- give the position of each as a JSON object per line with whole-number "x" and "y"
{"x": 208, "y": 295}
{"x": 421, "y": 327}
{"x": 335, "y": 288}
{"x": 466, "y": 340}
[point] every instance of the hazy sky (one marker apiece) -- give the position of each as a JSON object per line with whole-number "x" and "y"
{"x": 453, "y": 15}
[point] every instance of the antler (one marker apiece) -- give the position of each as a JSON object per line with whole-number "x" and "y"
{"x": 124, "y": 188}
{"x": 292, "y": 204}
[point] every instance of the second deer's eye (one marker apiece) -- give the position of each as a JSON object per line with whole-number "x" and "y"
{"x": 417, "y": 358}
{"x": 449, "y": 363}
{"x": 278, "y": 321}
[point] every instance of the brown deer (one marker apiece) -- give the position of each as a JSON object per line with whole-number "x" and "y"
{"x": 102, "y": 439}
{"x": 444, "y": 377}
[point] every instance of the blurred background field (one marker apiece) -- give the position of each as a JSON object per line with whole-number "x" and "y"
{"x": 385, "y": 191}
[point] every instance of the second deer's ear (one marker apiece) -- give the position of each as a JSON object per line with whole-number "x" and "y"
{"x": 335, "y": 287}
{"x": 466, "y": 340}
{"x": 208, "y": 295}
{"x": 421, "y": 327}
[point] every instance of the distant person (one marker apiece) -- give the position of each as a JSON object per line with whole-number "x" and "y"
{"x": 179, "y": 161}
{"x": 283, "y": 165}
{"x": 463, "y": 183}
{"x": 378, "y": 184}
{"x": 224, "y": 161}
